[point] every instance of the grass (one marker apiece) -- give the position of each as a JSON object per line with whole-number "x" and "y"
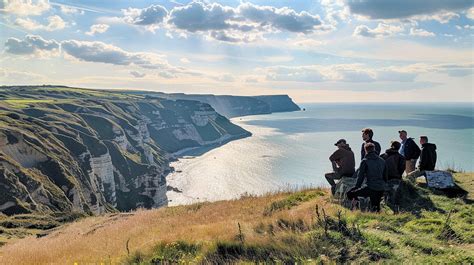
{"x": 292, "y": 227}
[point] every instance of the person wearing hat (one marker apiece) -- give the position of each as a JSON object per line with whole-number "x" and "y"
{"x": 394, "y": 160}
{"x": 410, "y": 150}
{"x": 343, "y": 164}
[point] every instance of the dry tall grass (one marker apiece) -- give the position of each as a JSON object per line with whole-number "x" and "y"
{"x": 104, "y": 239}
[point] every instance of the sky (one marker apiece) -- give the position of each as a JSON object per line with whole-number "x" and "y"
{"x": 314, "y": 51}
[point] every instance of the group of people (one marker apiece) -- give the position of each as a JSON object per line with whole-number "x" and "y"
{"x": 377, "y": 170}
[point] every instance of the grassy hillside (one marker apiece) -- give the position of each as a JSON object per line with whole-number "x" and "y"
{"x": 303, "y": 226}
{"x": 66, "y": 149}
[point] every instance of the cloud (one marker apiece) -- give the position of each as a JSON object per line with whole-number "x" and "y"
{"x": 137, "y": 74}
{"x": 398, "y": 9}
{"x": 470, "y": 13}
{"x": 97, "y": 28}
{"x": 244, "y": 23}
{"x": 150, "y": 16}
{"x": 353, "y": 73}
{"x": 198, "y": 16}
{"x": 97, "y": 52}
{"x": 54, "y": 23}
{"x": 184, "y": 60}
{"x": 225, "y": 78}
{"x": 24, "y": 7}
{"x": 32, "y": 44}
{"x": 15, "y": 77}
{"x": 69, "y": 10}
{"x": 285, "y": 19}
{"x": 421, "y": 33}
{"x": 100, "y": 52}
{"x": 382, "y": 30}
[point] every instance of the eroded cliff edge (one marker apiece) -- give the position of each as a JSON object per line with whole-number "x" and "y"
{"x": 68, "y": 149}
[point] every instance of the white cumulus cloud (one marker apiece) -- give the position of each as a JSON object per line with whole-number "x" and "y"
{"x": 150, "y": 17}
{"x": 421, "y": 33}
{"x": 382, "y": 30}
{"x": 32, "y": 44}
{"x": 97, "y": 28}
{"x": 244, "y": 23}
{"x": 24, "y": 7}
{"x": 54, "y": 23}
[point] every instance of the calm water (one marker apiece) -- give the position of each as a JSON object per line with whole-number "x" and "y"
{"x": 292, "y": 149}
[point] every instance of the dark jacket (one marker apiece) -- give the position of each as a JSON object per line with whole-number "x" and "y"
{"x": 344, "y": 157}
{"x": 395, "y": 163}
{"x": 377, "y": 148}
{"x": 427, "y": 157}
{"x": 410, "y": 149}
{"x": 373, "y": 169}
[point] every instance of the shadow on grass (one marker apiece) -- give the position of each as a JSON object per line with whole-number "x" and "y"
{"x": 414, "y": 199}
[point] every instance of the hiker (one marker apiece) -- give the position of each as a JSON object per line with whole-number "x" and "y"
{"x": 410, "y": 150}
{"x": 367, "y": 135}
{"x": 428, "y": 155}
{"x": 427, "y": 159}
{"x": 343, "y": 164}
{"x": 374, "y": 171}
{"x": 394, "y": 160}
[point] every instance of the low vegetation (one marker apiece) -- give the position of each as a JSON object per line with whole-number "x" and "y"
{"x": 305, "y": 226}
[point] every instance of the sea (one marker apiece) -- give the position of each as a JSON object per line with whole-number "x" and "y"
{"x": 290, "y": 150}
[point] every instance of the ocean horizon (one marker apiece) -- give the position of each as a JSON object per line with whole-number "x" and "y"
{"x": 290, "y": 150}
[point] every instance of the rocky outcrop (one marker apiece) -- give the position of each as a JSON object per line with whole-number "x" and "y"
{"x": 96, "y": 151}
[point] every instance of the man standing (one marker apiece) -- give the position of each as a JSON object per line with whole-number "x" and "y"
{"x": 374, "y": 171}
{"x": 367, "y": 135}
{"x": 410, "y": 150}
{"x": 343, "y": 163}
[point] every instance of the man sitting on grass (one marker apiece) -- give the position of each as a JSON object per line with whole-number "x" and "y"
{"x": 343, "y": 164}
{"x": 374, "y": 171}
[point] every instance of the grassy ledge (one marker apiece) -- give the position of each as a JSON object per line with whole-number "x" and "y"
{"x": 304, "y": 226}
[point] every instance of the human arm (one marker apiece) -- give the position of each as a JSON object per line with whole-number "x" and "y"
{"x": 361, "y": 174}
{"x": 378, "y": 149}
{"x": 401, "y": 164}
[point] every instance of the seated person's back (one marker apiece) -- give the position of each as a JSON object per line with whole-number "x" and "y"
{"x": 395, "y": 162}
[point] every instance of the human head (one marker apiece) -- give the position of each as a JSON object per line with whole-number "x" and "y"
{"x": 403, "y": 135}
{"x": 369, "y": 147}
{"x": 423, "y": 139}
{"x": 367, "y": 134}
{"x": 395, "y": 145}
{"x": 340, "y": 143}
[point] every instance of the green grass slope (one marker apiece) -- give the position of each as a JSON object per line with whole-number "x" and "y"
{"x": 292, "y": 227}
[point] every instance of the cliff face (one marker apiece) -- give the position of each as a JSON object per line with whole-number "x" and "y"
{"x": 64, "y": 149}
{"x": 233, "y": 106}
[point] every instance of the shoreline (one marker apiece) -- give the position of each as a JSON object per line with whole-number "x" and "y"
{"x": 190, "y": 151}
{"x": 192, "y": 182}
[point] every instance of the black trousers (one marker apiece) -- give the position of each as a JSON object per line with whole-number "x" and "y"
{"x": 374, "y": 195}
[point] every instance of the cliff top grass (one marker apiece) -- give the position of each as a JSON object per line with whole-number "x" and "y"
{"x": 306, "y": 226}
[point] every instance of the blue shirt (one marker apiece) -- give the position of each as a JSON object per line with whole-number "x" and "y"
{"x": 402, "y": 147}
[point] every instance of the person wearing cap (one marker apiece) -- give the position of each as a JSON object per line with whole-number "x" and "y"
{"x": 410, "y": 150}
{"x": 374, "y": 171}
{"x": 367, "y": 135}
{"x": 343, "y": 163}
{"x": 394, "y": 160}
